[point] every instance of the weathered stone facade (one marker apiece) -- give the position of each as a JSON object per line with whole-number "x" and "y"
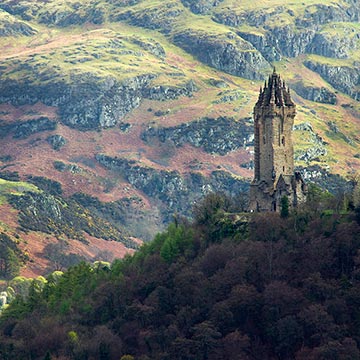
{"x": 274, "y": 178}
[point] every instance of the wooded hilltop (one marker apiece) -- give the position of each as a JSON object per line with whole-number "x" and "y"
{"x": 229, "y": 285}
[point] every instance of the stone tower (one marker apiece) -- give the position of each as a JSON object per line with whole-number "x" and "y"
{"x": 274, "y": 178}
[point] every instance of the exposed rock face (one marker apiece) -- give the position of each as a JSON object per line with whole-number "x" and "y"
{"x": 56, "y": 141}
{"x": 54, "y": 215}
{"x": 169, "y": 190}
{"x": 332, "y": 182}
{"x": 152, "y": 47}
{"x": 317, "y": 94}
{"x": 228, "y": 96}
{"x": 255, "y": 18}
{"x": 163, "y": 92}
{"x": 201, "y": 6}
{"x": 22, "y": 130}
{"x": 318, "y": 148}
{"x": 228, "y": 53}
{"x": 10, "y": 26}
{"x": 302, "y": 36}
{"x": 72, "y": 168}
{"x": 216, "y": 136}
{"x": 92, "y": 104}
{"x": 162, "y": 17}
{"x": 87, "y": 103}
{"x": 343, "y": 78}
{"x": 323, "y": 14}
{"x": 263, "y": 44}
{"x": 290, "y": 41}
{"x": 326, "y": 44}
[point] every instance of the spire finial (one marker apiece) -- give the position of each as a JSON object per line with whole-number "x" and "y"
{"x": 274, "y": 70}
{"x": 272, "y": 99}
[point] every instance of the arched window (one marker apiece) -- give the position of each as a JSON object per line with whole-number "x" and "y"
{"x": 283, "y": 140}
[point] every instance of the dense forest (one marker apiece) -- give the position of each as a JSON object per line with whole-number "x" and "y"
{"x": 228, "y": 285}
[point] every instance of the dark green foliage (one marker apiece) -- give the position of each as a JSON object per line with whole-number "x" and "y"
{"x": 176, "y": 241}
{"x": 50, "y": 186}
{"x": 284, "y": 212}
{"x": 113, "y": 211}
{"x": 47, "y": 356}
{"x": 59, "y": 256}
{"x": 290, "y": 289}
{"x": 10, "y": 257}
{"x": 23, "y": 129}
{"x": 10, "y": 175}
{"x": 9, "y": 264}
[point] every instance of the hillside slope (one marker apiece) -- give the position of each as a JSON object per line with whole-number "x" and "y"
{"x": 139, "y": 108}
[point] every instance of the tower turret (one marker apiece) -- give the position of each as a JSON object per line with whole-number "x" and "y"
{"x": 274, "y": 115}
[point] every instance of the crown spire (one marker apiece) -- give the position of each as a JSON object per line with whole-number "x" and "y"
{"x": 275, "y": 92}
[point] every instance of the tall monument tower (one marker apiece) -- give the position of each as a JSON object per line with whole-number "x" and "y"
{"x": 274, "y": 178}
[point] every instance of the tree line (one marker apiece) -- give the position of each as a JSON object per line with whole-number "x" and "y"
{"x": 228, "y": 285}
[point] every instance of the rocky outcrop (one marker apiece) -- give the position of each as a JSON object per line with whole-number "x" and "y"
{"x": 10, "y": 26}
{"x": 54, "y": 215}
{"x": 256, "y": 18}
{"x": 228, "y": 53}
{"x": 228, "y": 96}
{"x": 169, "y": 190}
{"x": 215, "y": 136}
{"x": 263, "y": 44}
{"x": 201, "y": 6}
{"x": 317, "y": 94}
{"x": 332, "y": 182}
{"x": 320, "y": 14}
{"x": 151, "y": 46}
{"x": 127, "y": 212}
{"x": 315, "y": 151}
{"x": 290, "y": 41}
{"x": 56, "y": 141}
{"x": 331, "y": 45}
{"x": 162, "y": 17}
{"x": 168, "y": 92}
{"x": 343, "y": 78}
{"x": 300, "y": 35}
{"x": 23, "y": 129}
{"x": 62, "y": 167}
{"x": 72, "y": 15}
{"x": 88, "y": 102}
{"x": 99, "y": 103}
{"x": 314, "y": 15}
